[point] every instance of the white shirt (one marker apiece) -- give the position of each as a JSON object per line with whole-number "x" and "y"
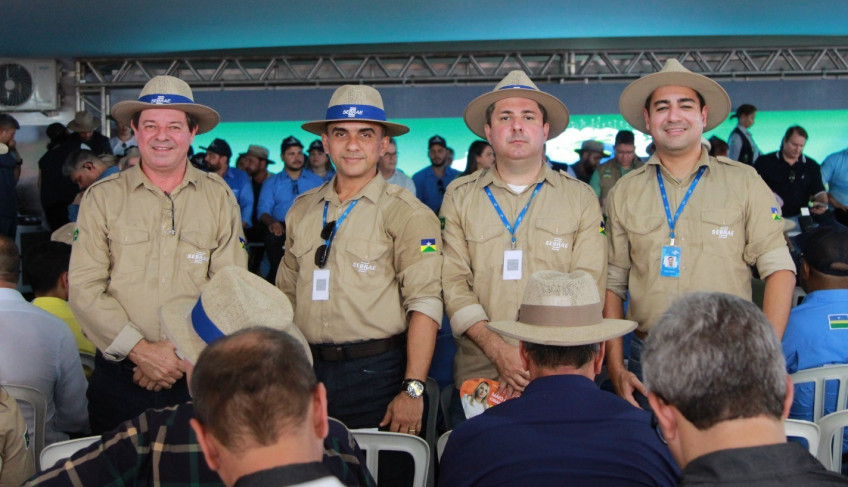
{"x": 38, "y": 350}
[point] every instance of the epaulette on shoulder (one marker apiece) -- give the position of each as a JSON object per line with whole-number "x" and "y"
{"x": 110, "y": 177}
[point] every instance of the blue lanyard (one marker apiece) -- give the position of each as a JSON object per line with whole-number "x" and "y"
{"x": 673, "y": 222}
{"x": 339, "y": 222}
{"x": 512, "y": 228}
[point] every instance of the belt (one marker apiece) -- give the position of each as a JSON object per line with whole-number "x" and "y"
{"x": 336, "y": 352}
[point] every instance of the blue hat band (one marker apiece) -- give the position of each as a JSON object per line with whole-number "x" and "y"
{"x": 353, "y": 112}
{"x": 512, "y": 87}
{"x": 204, "y": 326}
{"x": 160, "y": 99}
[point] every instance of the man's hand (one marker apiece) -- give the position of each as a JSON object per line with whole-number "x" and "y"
{"x": 625, "y": 382}
{"x": 157, "y": 365}
{"x": 277, "y": 229}
{"x": 404, "y": 414}
{"x": 512, "y": 377}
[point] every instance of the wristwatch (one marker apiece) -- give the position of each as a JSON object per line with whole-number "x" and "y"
{"x": 413, "y": 387}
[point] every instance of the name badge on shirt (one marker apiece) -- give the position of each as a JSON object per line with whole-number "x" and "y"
{"x": 512, "y": 265}
{"x": 321, "y": 285}
{"x": 670, "y": 261}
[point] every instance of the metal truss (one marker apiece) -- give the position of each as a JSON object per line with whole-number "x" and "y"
{"x": 95, "y": 78}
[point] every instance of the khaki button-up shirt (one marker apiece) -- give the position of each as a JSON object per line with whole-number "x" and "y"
{"x": 730, "y": 222}
{"x": 381, "y": 265}
{"x": 15, "y": 457}
{"x": 561, "y": 231}
{"x": 137, "y": 248}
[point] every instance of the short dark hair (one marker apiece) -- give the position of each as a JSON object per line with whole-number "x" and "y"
{"x": 76, "y": 159}
{"x": 7, "y": 121}
{"x": 744, "y": 109}
{"x": 44, "y": 263}
{"x": 700, "y": 98}
{"x": 10, "y": 260}
{"x": 795, "y": 129}
{"x": 191, "y": 120}
{"x": 491, "y": 109}
{"x": 553, "y": 356}
{"x": 625, "y": 137}
{"x": 251, "y": 386}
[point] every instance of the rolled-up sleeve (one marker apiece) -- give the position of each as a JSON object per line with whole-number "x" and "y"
{"x": 618, "y": 248}
{"x": 765, "y": 245}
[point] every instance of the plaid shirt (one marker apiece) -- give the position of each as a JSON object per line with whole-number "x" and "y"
{"x": 159, "y": 448}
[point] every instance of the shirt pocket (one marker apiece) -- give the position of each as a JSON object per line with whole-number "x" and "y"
{"x": 485, "y": 247}
{"x": 194, "y": 250}
{"x": 129, "y": 248}
{"x": 555, "y": 238}
{"x": 722, "y": 232}
{"x": 647, "y": 235}
{"x": 364, "y": 264}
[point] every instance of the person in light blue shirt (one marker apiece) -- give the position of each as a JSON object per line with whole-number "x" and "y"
{"x": 84, "y": 167}
{"x": 217, "y": 159}
{"x": 834, "y": 171}
{"x": 431, "y": 182}
{"x": 817, "y": 331}
{"x": 277, "y": 195}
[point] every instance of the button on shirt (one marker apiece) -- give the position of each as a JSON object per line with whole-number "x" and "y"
{"x": 560, "y": 231}
{"x": 431, "y": 189}
{"x": 279, "y": 192}
{"x": 730, "y": 223}
{"x": 139, "y": 248}
{"x": 380, "y": 262}
{"x": 239, "y": 182}
{"x": 834, "y": 172}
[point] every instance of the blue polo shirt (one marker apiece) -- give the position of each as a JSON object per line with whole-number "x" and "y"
{"x": 814, "y": 338}
{"x": 73, "y": 210}
{"x": 278, "y": 193}
{"x": 239, "y": 182}
{"x": 430, "y": 189}
{"x": 834, "y": 171}
{"x": 327, "y": 177}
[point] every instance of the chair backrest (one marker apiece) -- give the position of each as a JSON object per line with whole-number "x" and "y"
{"x": 87, "y": 360}
{"x": 443, "y": 441}
{"x": 445, "y": 403}
{"x": 798, "y": 296}
{"x": 431, "y": 389}
{"x": 807, "y": 430}
{"x": 819, "y": 376}
{"x": 373, "y": 442}
{"x": 36, "y": 400}
{"x": 830, "y": 444}
{"x": 56, "y": 452}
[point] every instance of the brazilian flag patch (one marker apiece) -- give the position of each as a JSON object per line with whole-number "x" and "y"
{"x": 76, "y": 234}
{"x": 442, "y": 222}
{"x": 428, "y": 245}
{"x": 602, "y": 229}
{"x": 838, "y": 322}
{"x": 775, "y": 215}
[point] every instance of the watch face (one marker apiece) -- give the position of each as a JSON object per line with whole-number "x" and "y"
{"x": 415, "y": 388}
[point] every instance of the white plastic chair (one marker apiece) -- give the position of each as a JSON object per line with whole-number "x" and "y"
{"x": 830, "y": 445}
{"x": 807, "y": 430}
{"x": 820, "y": 376}
{"x": 373, "y": 442}
{"x": 36, "y": 400}
{"x": 62, "y": 450}
{"x": 442, "y": 443}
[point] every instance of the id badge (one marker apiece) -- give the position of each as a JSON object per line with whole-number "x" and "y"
{"x": 321, "y": 285}
{"x": 512, "y": 265}
{"x": 670, "y": 261}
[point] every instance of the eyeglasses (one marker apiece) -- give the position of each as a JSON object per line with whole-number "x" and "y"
{"x": 322, "y": 252}
{"x": 295, "y": 189}
{"x": 441, "y": 185}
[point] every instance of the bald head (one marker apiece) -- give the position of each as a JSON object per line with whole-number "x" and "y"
{"x": 10, "y": 262}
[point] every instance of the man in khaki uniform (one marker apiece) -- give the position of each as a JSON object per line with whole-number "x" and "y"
{"x": 146, "y": 236}
{"x": 623, "y": 161}
{"x": 718, "y": 218}
{"x": 487, "y": 259}
{"x": 362, "y": 268}
{"x": 16, "y": 463}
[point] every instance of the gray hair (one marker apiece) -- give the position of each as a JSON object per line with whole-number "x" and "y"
{"x": 715, "y": 357}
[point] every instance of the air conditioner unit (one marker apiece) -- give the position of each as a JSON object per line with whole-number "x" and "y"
{"x": 28, "y": 85}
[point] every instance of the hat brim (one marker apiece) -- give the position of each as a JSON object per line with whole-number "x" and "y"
{"x": 564, "y": 336}
{"x": 176, "y": 320}
{"x": 603, "y": 153}
{"x": 207, "y": 118}
{"x": 632, "y": 100}
{"x": 318, "y": 127}
{"x": 475, "y": 112}
{"x": 73, "y": 125}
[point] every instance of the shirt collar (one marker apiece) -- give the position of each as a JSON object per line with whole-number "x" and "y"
{"x": 704, "y": 160}
{"x": 137, "y": 177}
{"x": 7, "y": 294}
{"x": 491, "y": 176}
{"x": 371, "y": 191}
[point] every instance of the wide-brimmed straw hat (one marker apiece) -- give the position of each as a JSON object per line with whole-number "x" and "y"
{"x": 259, "y": 152}
{"x": 592, "y": 146}
{"x": 516, "y": 84}
{"x": 356, "y": 103}
{"x": 563, "y": 310}
{"x": 632, "y": 100}
{"x": 167, "y": 92}
{"x": 232, "y": 300}
{"x": 83, "y": 122}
